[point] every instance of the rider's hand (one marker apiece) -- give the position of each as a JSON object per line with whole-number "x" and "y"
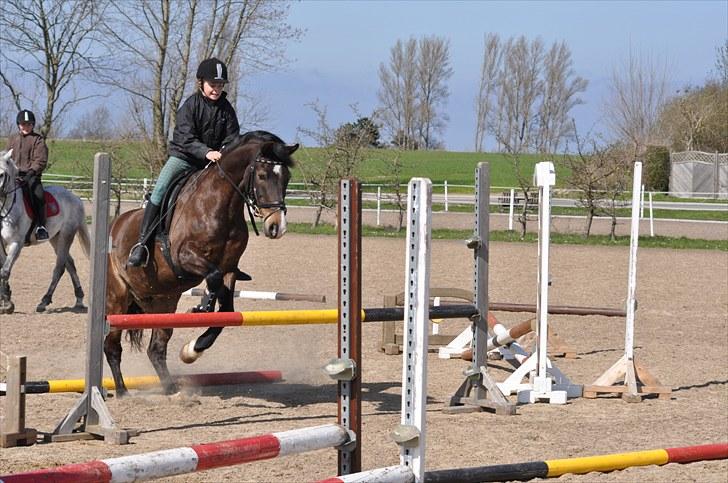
{"x": 213, "y": 155}
{"x": 28, "y": 175}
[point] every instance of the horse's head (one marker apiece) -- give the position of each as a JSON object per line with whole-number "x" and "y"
{"x": 266, "y": 178}
{"x": 8, "y": 172}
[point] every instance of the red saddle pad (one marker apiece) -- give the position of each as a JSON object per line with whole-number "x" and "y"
{"x": 51, "y": 204}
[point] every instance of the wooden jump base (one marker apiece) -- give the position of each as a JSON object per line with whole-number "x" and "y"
{"x": 13, "y": 431}
{"x": 200, "y": 457}
{"x": 603, "y": 463}
{"x": 271, "y": 317}
{"x": 145, "y": 382}
{"x": 258, "y": 295}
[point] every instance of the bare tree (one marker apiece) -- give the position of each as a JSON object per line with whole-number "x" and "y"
{"x": 45, "y": 46}
{"x": 491, "y": 65}
{"x": 525, "y": 97}
{"x": 157, "y": 45}
{"x": 96, "y": 124}
{"x": 638, "y": 91}
{"x": 339, "y": 157}
{"x": 561, "y": 87}
{"x": 596, "y": 171}
{"x": 398, "y": 93}
{"x": 520, "y": 90}
{"x": 433, "y": 72}
{"x": 721, "y": 63}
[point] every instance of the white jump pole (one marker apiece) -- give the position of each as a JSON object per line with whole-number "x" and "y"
{"x": 541, "y": 382}
{"x": 632, "y": 276}
{"x": 410, "y": 434}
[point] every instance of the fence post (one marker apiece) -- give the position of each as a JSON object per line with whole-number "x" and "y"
{"x": 652, "y": 225}
{"x": 510, "y": 210}
{"x": 379, "y": 202}
{"x": 445, "y": 195}
{"x": 716, "y": 174}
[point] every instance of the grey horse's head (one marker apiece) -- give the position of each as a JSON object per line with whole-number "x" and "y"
{"x": 8, "y": 171}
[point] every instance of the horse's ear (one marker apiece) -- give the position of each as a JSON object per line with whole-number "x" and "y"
{"x": 8, "y": 155}
{"x": 291, "y": 148}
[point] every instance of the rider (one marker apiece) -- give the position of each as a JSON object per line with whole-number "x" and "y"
{"x": 205, "y": 123}
{"x": 31, "y": 156}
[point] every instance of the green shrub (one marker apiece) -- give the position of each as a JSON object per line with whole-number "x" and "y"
{"x": 657, "y": 169}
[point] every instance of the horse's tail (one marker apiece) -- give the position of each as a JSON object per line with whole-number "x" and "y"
{"x": 85, "y": 238}
{"x": 135, "y": 337}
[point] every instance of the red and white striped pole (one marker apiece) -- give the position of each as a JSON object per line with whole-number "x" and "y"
{"x": 159, "y": 464}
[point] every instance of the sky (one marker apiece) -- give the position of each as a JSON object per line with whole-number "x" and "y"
{"x": 336, "y": 61}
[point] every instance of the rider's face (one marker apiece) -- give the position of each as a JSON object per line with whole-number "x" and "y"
{"x": 212, "y": 90}
{"x": 25, "y": 128}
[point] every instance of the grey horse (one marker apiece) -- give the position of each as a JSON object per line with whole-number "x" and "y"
{"x": 62, "y": 228}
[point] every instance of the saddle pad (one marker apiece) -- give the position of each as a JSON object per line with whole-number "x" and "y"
{"x": 51, "y": 204}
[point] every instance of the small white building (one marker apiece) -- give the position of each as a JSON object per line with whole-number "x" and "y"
{"x": 695, "y": 174}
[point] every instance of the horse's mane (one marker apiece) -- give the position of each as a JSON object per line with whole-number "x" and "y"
{"x": 262, "y": 137}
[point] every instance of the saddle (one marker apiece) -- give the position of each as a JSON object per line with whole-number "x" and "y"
{"x": 169, "y": 202}
{"x": 52, "y": 208}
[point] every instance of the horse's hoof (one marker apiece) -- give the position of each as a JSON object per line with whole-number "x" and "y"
{"x": 40, "y": 308}
{"x": 188, "y": 354}
{"x": 79, "y": 309}
{"x": 7, "y": 307}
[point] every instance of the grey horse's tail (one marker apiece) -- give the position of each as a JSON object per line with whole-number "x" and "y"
{"x": 84, "y": 237}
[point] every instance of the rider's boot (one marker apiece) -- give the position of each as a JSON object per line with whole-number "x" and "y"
{"x": 139, "y": 255}
{"x": 41, "y": 233}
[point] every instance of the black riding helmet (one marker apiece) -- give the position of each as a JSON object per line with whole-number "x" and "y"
{"x": 212, "y": 70}
{"x": 25, "y": 116}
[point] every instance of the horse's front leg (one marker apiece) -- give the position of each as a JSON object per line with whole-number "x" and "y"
{"x": 157, "y": 353}
{"x": 222, "y": 289}
{"x": 6, "y": 304}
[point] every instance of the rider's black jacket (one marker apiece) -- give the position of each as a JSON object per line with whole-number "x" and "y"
{"x": 202, "y": 126}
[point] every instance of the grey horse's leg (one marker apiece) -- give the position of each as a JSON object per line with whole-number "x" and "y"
{"x": 76, "y": 281}
{"x": 61, "y": 246}
{"x": 6, "y": 303}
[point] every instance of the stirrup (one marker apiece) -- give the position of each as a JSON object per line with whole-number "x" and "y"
{"x": 142, "y": 263}
{"x": 41, "y": 233}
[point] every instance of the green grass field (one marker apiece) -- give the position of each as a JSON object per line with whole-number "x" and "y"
{"x": 75, "y": 157}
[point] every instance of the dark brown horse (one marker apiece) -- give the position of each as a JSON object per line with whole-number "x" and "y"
{"x": 207, "y": 237}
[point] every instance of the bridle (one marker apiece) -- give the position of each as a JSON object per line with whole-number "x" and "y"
{"x": 249, "y": 192}
{"x": 5, "y": 193}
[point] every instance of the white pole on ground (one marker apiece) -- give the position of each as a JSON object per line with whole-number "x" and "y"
{"x": 632, "y": 276}
{"x": 379, "y": 203}
{"x": 652, "y": 218}
{"x": 410, "y": 434}
{"x": 510, "y": 210}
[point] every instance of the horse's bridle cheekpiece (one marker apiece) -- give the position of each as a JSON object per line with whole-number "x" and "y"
{"x": 249, "y": 192}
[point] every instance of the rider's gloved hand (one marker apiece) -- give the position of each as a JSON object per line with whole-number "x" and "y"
{"x": 28, "y": 175}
